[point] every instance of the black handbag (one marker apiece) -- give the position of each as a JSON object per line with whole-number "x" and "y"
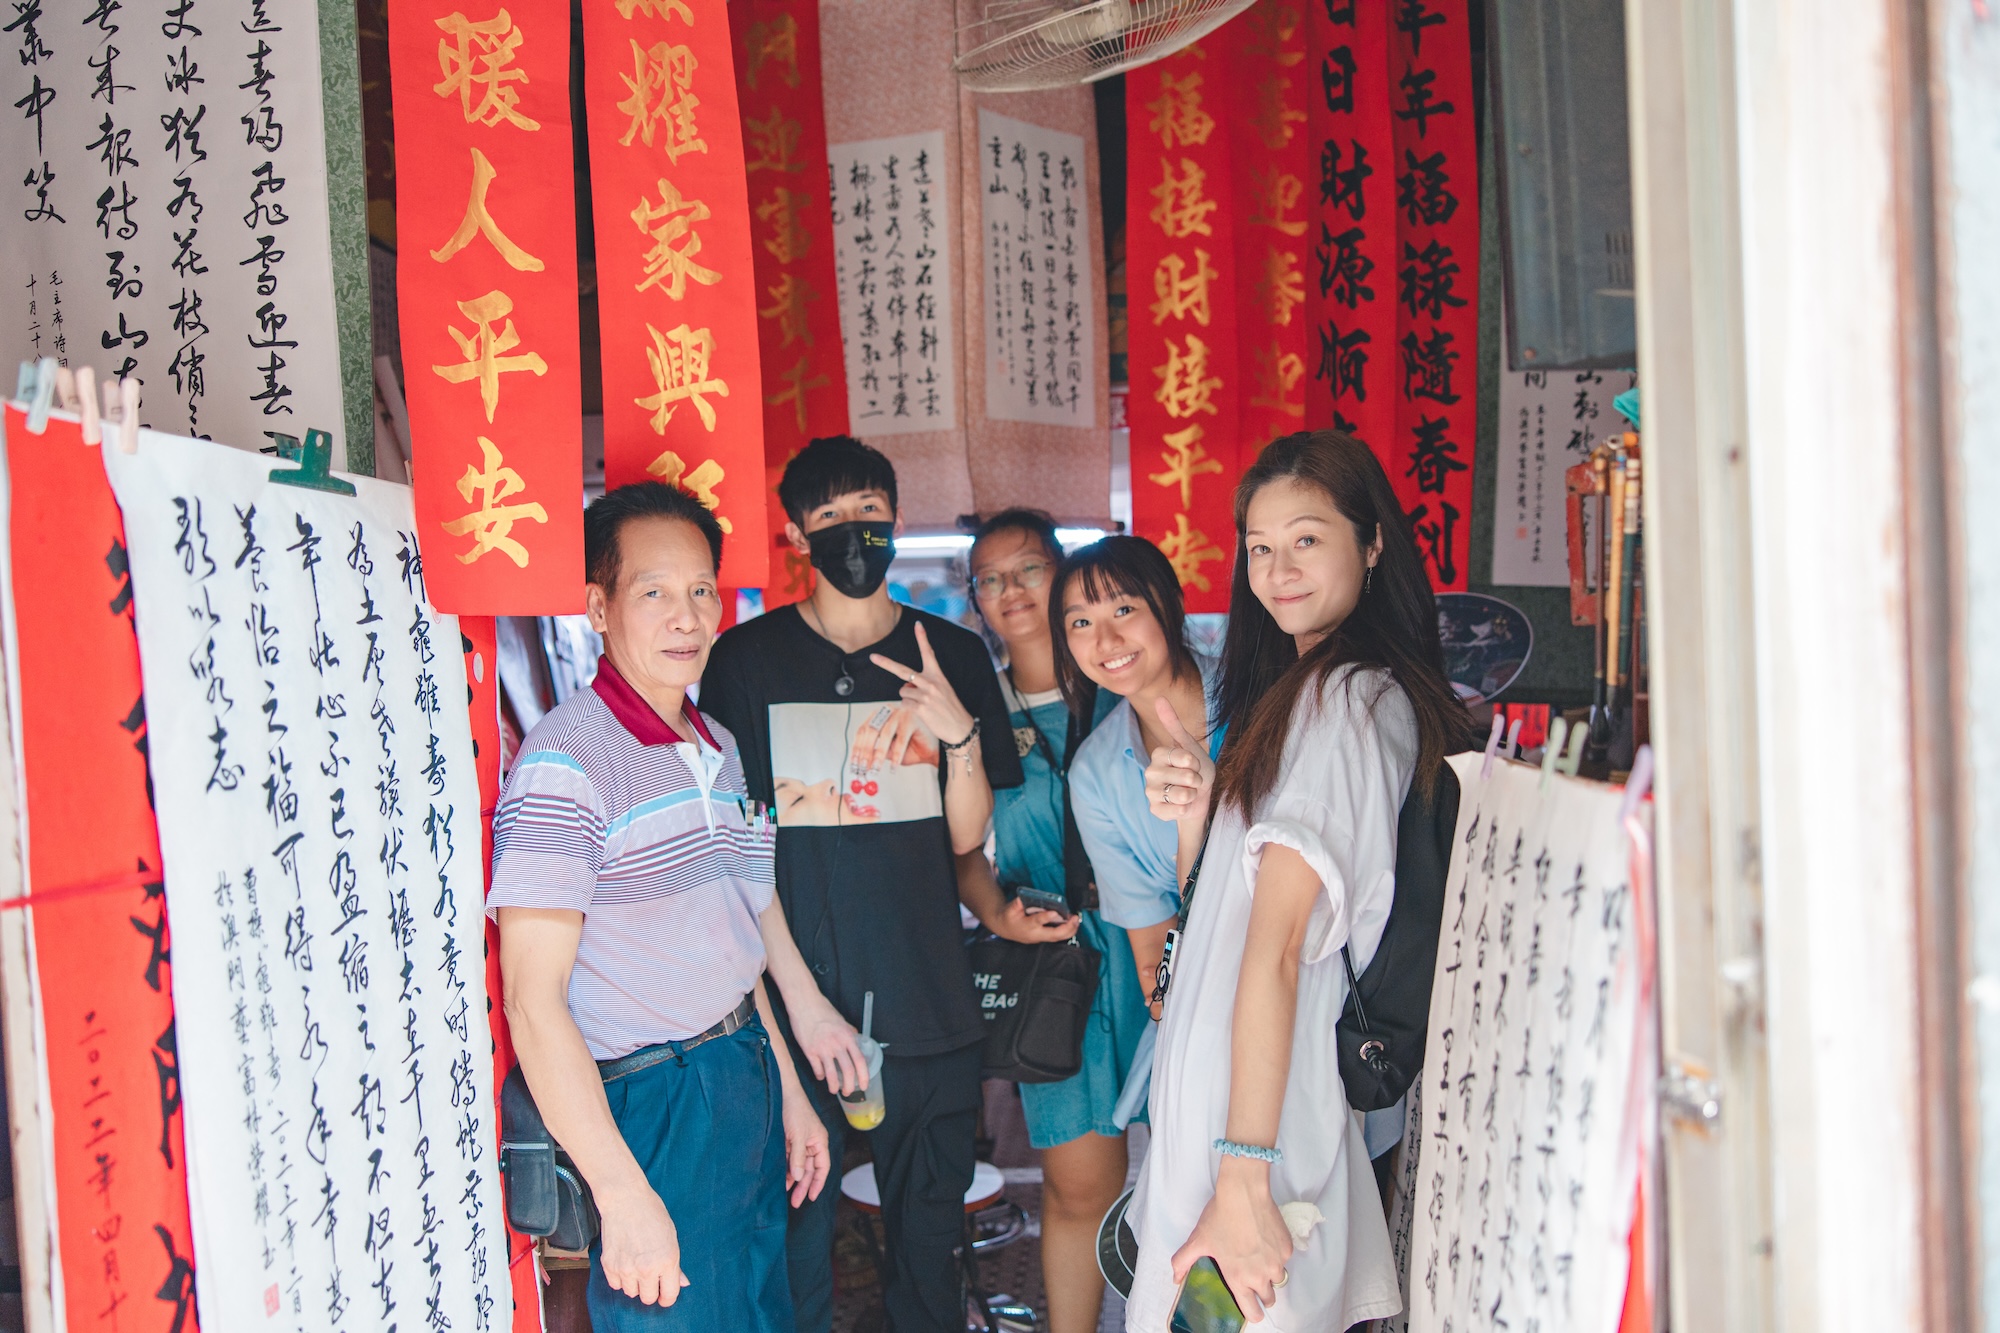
{"x": 1036, "y": 1000}
{"x": 546, "y": 1195}
{"x": 1387, "y": 1017}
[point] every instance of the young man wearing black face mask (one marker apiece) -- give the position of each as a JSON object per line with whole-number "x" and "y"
{"x": 879, "y": 733}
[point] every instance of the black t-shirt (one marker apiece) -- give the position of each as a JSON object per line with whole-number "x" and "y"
{"x": 865, "y": 866}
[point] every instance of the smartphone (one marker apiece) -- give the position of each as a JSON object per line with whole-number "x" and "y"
{"x": 1037, "y": 901}
{"x": 1206, "y": 1304}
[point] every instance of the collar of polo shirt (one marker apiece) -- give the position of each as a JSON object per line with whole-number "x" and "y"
{"x": 636, "y": 715}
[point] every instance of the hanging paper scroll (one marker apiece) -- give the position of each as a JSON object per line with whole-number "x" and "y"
{"x": 1550, "y": 420}
{"x": 1530, "y": 1101}
{"x": 1040, "y": 326}
{"x": 798, "y": 316}
{"x": 100, "y": 915}
{"x": 486, "y": 297}
{"x": 1429, "y": 457}
{"x": 167, "y": 208}
{"x": 1351, "y": 301}
{"x": 1181, "y": 251}
{"x": 320, "y": 823}
{"x": 677, "y": 290}
{"x": 902, "y": 377}
{"x": 1273, "y": 155}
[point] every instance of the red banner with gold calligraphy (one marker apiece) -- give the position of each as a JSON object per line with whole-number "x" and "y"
{"x": 1351, "y": 300}
{"x": 99, "y": 905}
{"x": 486, "y": 287}
{"x": 1181, "y": 247}
{"x": 677, "y": 292}
{"x": 1429, "y": 457}
{"x": 1272, "y": 158}
{"x": 778, "y": 81}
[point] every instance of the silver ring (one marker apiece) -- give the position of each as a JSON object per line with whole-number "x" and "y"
{"x": 1284, "y": 1276}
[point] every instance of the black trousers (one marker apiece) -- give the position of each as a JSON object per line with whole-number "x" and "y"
{"x": 924, "y": 1158}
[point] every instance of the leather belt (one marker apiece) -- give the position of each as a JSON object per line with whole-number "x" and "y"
{"x": 646, "y": 1057}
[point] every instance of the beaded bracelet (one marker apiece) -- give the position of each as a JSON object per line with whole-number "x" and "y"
{"x": 953, "y": 747}
{"x": 1231, "y": 1148}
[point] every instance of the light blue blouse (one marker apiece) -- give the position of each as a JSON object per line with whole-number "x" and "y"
{"x": 1131, "y": 851}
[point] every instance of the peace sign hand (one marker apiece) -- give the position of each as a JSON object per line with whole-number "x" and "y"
{"x": 929, "y": 695}
{"x": 1181, "y": 778}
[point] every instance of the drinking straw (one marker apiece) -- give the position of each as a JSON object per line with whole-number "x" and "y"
{"x": 867, "y": 1013}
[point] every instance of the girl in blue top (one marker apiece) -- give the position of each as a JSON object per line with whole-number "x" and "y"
{"x": 1015, "y": 563}
{"x": 1120, "y": 625}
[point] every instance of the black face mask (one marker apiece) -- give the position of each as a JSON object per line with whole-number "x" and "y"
{"x": 854, "y": 557}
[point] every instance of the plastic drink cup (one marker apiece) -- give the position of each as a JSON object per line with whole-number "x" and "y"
{"x": 864, "y": 1108}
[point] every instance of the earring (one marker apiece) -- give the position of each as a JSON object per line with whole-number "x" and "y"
{"x": 1367, "y": 580}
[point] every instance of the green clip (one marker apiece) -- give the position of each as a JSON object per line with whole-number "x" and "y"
{"x": 315, "y": 461}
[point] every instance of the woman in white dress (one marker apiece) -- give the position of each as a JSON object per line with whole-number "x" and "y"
{"x": 1335, "y": 699}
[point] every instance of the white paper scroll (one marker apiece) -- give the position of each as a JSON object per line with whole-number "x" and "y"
{"x": 1035, "y": 217}
{"x": 319, "y": 820}
{"x": 892, "y": 256}
{"x": 165, "y": 208}
{"x": 1550, "y": 420}
{"x": 1524, "y": 1187}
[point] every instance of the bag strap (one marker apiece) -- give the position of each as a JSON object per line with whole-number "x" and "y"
{"x": 1079, "y": 879}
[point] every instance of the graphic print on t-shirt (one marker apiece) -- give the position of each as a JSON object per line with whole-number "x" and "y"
{"x": 824, "y": 768}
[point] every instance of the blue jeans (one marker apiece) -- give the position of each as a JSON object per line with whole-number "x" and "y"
{"x": 708, "y": 1130}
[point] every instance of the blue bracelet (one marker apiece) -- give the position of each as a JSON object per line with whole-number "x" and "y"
{"x": 1231, "y": 1148}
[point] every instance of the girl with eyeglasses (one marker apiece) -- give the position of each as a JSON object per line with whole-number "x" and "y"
{"x": 1014, "y": 567}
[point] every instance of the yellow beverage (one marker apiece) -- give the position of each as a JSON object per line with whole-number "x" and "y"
{"x": 864, "y": 1107}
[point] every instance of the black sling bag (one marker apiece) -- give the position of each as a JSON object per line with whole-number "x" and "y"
{"x": 1387, "y": 1017}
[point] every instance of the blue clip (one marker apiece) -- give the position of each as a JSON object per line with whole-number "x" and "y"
{"x": 42, "y": 392}
{"x": 315, "y": 461}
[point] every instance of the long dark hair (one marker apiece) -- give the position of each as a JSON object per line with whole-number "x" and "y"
{"x": 1393, "y": 627}
{"x": 1118, "y": 567}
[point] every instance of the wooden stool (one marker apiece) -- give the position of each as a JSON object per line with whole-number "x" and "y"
{"x": 991, "y": 1223}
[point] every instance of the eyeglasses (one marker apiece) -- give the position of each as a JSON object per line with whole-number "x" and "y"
{"x": 1031, "y": 575}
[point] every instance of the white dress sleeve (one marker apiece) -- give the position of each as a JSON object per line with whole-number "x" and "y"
{"x": 1339, "y": 789}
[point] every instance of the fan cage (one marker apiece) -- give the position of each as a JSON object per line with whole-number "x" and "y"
{"x": 1023, "y": 45}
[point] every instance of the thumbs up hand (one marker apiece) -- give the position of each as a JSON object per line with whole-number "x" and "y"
{"x": 1181, "y": 777}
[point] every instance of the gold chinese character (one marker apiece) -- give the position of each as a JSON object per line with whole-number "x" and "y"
{"x": 1187, "y": 550}
{"x": 1277, "y": 193}
{"x": 773, "y": 141}
{"x": 483, "y": 347}
{"x": 775, "y": 42}
{"x": 479, "y": 222}
{"x": 1276, "y": 373}
{"x": 660, "y": 99}
{"x": 1281, "y": 286}
{"x": 699, "y": 483}
{"x": 1177, "y": 115}
{"x": 670, "y": 224}
{"x": 789, "y": 297}
{"x": 1273, "y": 120}
{"x": 1181, "y": 210}
{"x": 798, "y": 574}
{"x": 1272, "y": 30}
{"x": 475, "y": 57}
{"x": 795, "y": 388}
{"x": 679, "y": 362}
{"x": 1183, "y": 295}
{"x": 1184, "y": 458}
{"x": 492, "y": 521}
{"x": 654, "y": 9}
{"x": 1186, "y": 387}
{"x": 789, "y": 238}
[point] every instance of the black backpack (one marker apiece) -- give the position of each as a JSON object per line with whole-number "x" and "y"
{"x": 1382, "y": 1029}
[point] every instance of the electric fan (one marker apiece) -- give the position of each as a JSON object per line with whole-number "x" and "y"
{"x": 1020, "y": 45}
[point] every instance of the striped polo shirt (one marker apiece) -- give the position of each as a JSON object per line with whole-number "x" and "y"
{"x": 607, "y": 812}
